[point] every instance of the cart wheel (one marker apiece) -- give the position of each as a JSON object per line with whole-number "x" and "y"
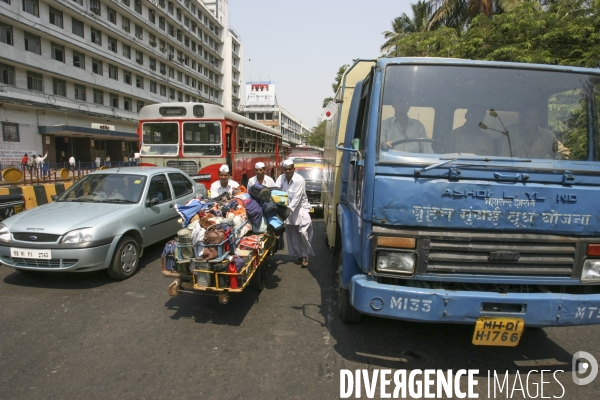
{"x": 261, "y": 277}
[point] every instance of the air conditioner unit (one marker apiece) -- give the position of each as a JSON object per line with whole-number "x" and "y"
{"x": 95, "y": 9}
{"x": 172, "y": 97}
{"x": 180, "y": 59}
{"x": 126, "y": 28}
{"x": 161, "y": 3}
{"x": 180, "y": 99}
{"x": 153, "y": 67}
{"x": 163, "y": 49}
{"x": 153, "y": 44}
{"x": 139, "y": 36}
{"x": 162, "y": 71}
{"x": 171, "y": 57}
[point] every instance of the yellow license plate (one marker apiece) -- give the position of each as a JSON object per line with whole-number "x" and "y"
{"x": 18, "y": 209}
{"x": 498, "y": 331}
{"x": 312, "y": 210}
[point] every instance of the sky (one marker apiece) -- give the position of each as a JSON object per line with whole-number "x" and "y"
{"x": 300, "y": 45}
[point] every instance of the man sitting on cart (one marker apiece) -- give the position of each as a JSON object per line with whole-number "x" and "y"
{"x": 224, "y": 184}
{"x": 260, "y": 177}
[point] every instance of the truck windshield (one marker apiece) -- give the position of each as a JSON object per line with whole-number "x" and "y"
{"x": 447, "y": 111}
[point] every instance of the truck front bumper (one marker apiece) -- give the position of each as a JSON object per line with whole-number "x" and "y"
{"x": 437, "y": 305}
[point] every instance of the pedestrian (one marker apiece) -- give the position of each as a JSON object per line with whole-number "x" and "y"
{"x": 32, "y": 164}
{"x": 24, "y": 162}
{"x": 62, "y": 156}
{"x": 260, "y": 177}
{"x": 72, "y": 163}
{"x": 107, "y": 162}
{"x": 40, "y": 163}
{"x": 223, "y": 184}
{"x": 298, "y": 226}
{"x": 97, "y": 162}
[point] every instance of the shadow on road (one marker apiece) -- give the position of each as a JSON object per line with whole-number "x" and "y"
{"x": 397, "y": 344}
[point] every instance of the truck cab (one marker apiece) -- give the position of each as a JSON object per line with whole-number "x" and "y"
{"x": 467, "y": 194}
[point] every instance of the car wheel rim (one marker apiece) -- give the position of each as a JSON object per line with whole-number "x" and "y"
{"x": 128, "y": 258}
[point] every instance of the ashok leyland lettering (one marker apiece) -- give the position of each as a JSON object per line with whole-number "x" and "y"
{"x": 467, "y": 194}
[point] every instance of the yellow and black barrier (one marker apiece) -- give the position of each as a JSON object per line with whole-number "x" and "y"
{"x": 37, "y": 195}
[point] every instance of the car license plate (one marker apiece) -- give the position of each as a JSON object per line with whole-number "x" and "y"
{"x": 312, "y": 210}
{"x": 498, "y": 331}
{"x": 18, "y": 209}
{"x": 31, "y": 253}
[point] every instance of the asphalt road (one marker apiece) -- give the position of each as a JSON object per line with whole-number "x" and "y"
{"x": 84, "y": 336}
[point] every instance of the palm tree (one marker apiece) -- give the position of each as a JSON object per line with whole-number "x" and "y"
{"x": 459, "y": 13}
{"x": 404, "y": 25}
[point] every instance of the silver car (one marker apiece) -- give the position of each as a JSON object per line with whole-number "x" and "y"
{"x": 103, "y": 221}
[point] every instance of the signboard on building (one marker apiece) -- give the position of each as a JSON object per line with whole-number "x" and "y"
{"x": 103, "y": 127}
{"x": 260, "y": 94}
{"x": 8, "y": 157}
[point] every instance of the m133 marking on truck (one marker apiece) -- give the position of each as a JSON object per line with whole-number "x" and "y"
{"x": 404, "y": 303}
{"x": 518, "y": 218}
{"x": 587, "y": 312}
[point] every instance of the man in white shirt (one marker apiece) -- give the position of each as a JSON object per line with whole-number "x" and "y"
{"x": 40, "y": 163}
{"x": 224, "y": 184}
{"x": 260, "y": 177}
{"x": 401, "y": 126}
{"x": 298, "y": 226}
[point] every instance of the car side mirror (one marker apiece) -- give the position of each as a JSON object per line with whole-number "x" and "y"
{"x": 54, "y": 197}
{"x": 152, "y": 202}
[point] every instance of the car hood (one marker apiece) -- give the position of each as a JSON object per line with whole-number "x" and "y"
{"x": 59, "y": 218}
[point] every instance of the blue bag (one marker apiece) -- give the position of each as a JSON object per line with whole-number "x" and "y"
{"x": 276, "y": 224}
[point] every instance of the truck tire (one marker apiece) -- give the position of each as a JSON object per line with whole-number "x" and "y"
{"x": 345, "y": 309}
{"x": 126, "y": 259}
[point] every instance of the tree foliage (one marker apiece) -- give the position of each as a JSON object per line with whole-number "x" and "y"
{"x": 317, "y": 135}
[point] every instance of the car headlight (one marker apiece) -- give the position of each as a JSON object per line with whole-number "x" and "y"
{"x": 4, "y": 233}
{"x": 78, "y": 236}
{"x": 591, "y": 271}
{"x": 395, "y": 262}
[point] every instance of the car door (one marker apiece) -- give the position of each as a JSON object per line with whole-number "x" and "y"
{"x": 183, "y": 187}
{"x": 161, "y": 217}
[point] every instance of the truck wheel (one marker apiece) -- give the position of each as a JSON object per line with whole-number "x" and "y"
{"x": 345, "y": 309}
{"x": 260, "y": 278}
{"x": 125, "y": 260}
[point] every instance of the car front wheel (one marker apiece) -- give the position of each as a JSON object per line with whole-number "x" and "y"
{"x": 125, "y": 260}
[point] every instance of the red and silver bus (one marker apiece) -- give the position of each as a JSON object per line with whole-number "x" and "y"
{"x": 198, "y": 138}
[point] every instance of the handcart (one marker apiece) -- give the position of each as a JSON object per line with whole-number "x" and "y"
{"x": 213, "y": 277}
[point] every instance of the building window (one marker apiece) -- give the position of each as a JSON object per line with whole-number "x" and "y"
{"x": 163, "y": 90}
{"x": 193, "y": 99}
{"x": 152, "y": 63}
{"x": 111, "y": 15}
{"x": 8, "y": 74}
{"x": 56, "y": 17}
{"x": 171, "y": 72}
{"x": 161, "y": 23}
{"x": 79, "y": 92}
{"x": 6, "y": 1}
{"x": 172, "y": 93}
{"x": 114, "y": 100}
{"x": 127, "y": 77}
{"x": 179, "y": 96}
{"x": 31, "y": 7}
{"x": 193, "y": 83}
{"x": 170, "y": 8}
{"x": 179, "y": 76}
{"x": 113, "y": 72}
{"x": 33, "y": 43}
{"x": 80, "y": 2}
{"x": 35, "y": 81}
{"x": 178, "y": 15}
{"x": 171, "y": 30}
{"x": 139, "y": 33}
{"x": 58, "y": 52}
{"x": 186, "y": 21}
{"x": 140, "y": 105}
{"x": 112, "y": 44}
{"x": 98, "y": 96}
{"x": 97, "y": 66}
{"x": 139, "y": 81}
{"x": 125, "y": 24}
{"x": 151, "y": 16}
{"x": 138, "y": 6}
{"x": 126, "y": 2}
{"x": 163, "y": 68}
{"x": 187, "y": 80}
{"x": 95, "y": 6}
{"x": 79, "y": 59}
{"x": 59, "y": 87}
{"x": 77, "y": 27}
{"x": 187, "y": 97}
{"x": 6, "y": 35}
{"x": 139, "y": 57}
{"x": 10, "y": 132}
{"x": 152, "y": 87}
{"x": 127, "y": 103}
{"x": 126, "y": 51}
{"x": 96, "y": 36}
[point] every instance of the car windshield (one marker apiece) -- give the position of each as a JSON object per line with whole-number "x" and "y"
{"x": 106, "y": 188}
{"x": 310, "y": 174}
{"x": 539, "y": 115}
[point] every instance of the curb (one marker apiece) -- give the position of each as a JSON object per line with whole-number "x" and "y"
{"x": 37, "y": 195}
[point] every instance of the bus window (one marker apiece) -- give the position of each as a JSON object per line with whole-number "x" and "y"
{"x": 253, "y": 143}
{"x": 240, "y": 141}
{"x": 263, "y": 144}
{"x": 202, "y": 138}
{"x": 159, "y": 138}
{"x": 248, "y": 140}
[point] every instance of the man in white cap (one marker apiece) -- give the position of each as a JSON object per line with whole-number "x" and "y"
{"x": 224, "y": 184}
{"x": 298, "y": 226}
{"x": 260, "y": 177}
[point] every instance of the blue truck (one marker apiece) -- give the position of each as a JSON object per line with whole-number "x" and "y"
{"x": 459, "y": 191}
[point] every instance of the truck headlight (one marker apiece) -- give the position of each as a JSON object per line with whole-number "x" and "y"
{"x": 395, "y": 262}
{"x": 78, "y": 236}
{"x": 4, "y": 233}
{"x": 591, "y": 271}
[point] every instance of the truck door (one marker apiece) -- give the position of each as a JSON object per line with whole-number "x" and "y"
{"x": 356, "y": 168}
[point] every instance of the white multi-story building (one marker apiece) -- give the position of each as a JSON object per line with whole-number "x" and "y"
{"x": 261, "y": 105}
{"x": 75, "y": 73}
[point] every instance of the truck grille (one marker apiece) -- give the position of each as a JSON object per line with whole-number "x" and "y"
{"x": 500, "y": 256}
{"x": 189, "y": 167}
{"x": 314, "y": 197}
